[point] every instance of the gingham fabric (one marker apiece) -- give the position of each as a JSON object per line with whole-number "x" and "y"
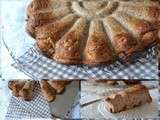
{"x": 37, "y": 66}
{"x": 37, "y": 108}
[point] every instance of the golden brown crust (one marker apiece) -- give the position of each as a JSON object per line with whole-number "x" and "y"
{"x": 97, "y": 50}
{"x": 67, "y": 48}
{"x": 55, "y": 29}
{"x": 70, "y": 46}
{"x": 36, "y": 5}
{"x": 27, "y": 91}
{"x": 17, "y": 86}
{"x": 39, "y": 12}
{"x": 154, "y": 12}
{"x": 46, "y": 46}
{"x": 149, "y": 38}
{"x": 59, "y": 86}
{"x": 136, "y": 89}
{"x": 38, "y": 19}
{"x": 142, "y": 27}
{"x": 136, "y": 32}
{"x": 22, "y": 88}
{"x": 49, "y": 34}
{"x": 50, "y": 88}
{"x": 48, "y": 92}
{"x": 129, "y": 98}
{"x": 125, "y": 46}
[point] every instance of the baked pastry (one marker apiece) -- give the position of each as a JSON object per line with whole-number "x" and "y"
{"x": 59, "y": 86}
{"x": 27, "y": 91}
{"x": 16, "y": 86}
{"x": 93, "y": 32}
{"x": 131, "y": 97}
{"x": 50, "y": 88}
{"x": 22, "y": 88}
{"x": 48, "y": 92}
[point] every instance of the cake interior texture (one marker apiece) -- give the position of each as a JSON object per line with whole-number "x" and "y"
{"x": 131, "y": 97}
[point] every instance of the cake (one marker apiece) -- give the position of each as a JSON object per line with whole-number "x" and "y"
{"x": 22, "y": 88}
{"x": 49, "y": 88}
{"x": 131, "y": 97}
{"x": 93, "y": 32}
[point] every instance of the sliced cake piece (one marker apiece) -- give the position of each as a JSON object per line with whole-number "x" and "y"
{"x": 27, "y": 91}
{"x": 97, "y": 49}
{"x": 122, "y": 41}
{"x": 48, "y": 92}
{"x": 39, "y": 12}
{"x": 143, "y": 30}
{"x": 43, "y": 12}
{"x": 59, "y": 86}
{"x": 69, "y": 48}
{"x": 131, "y": 97}
{"x": 48, "y": 35}
{"x": 16, "y": 86}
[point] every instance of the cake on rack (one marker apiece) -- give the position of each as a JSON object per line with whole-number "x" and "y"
{"x": 93, "y": 32}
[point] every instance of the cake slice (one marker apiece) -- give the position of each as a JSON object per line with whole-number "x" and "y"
{"x": 16, "y": 86}
{"x": 27, "y": 91}
{"x": 121, "y": 40}
{"x": 49, "y": 34}
{"x": 131, "y": 97}
{"x": 97, "y": 49}
{"x": 59, "y": 86}
{"x": 48, "y": 92}
{"x": 144, "y": 31}
{"x": 69, "y": 48}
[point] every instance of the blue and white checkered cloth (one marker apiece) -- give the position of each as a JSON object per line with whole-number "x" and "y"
{"x": 37, "y": 66}
{"x": 37, "y": 108}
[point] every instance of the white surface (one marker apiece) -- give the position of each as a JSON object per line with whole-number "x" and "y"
{"x": 65, "y": 101}
{"x": 89, "y": 99}
{"x": 4, "y": 100}
{"x": 8, "y": 22}
{"x": 144, "y": 111}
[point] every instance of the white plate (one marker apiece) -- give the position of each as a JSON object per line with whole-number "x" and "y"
{"x": 144, "y": 111}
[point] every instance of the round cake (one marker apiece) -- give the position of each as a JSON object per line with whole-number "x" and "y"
{"x": 93, "y": 32}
